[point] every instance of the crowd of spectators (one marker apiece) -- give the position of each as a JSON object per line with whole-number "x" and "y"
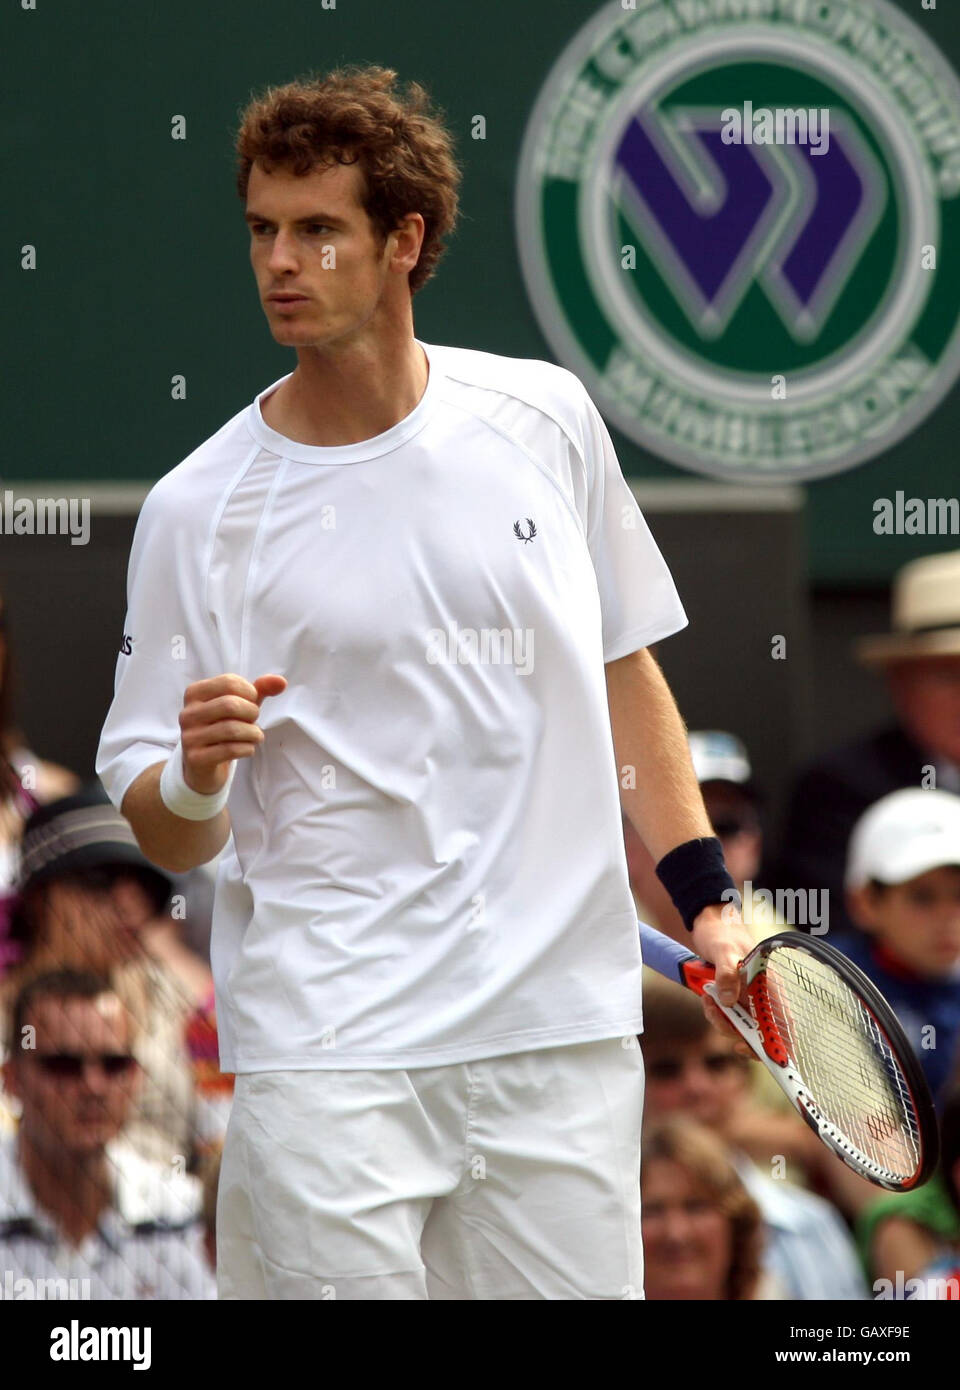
{"x": 113, "y": 1107}
{"x": 741, "y": 1200}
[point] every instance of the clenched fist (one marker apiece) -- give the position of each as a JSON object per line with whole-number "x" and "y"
{"x": 218, "y": 724}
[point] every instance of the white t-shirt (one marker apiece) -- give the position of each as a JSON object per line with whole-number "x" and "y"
{"x": 427, "y": 861}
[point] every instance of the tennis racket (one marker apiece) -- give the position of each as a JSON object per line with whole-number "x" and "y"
{"x": 833, "y": 1044}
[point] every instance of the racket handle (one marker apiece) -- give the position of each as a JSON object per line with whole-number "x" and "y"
{"x": 662, "y": 954}
{"x": 678, "y": 963}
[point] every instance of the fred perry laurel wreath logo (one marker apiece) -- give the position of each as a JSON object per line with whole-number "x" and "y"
{"x": 682, "y": 275}
{"x": 518, "y": 531}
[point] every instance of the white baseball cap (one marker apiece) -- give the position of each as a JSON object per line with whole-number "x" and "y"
{"x": 902, "y": 835}
{"x": 718, "y": 756}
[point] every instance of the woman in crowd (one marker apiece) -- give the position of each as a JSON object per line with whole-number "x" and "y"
{"x": 702, "y": 1231}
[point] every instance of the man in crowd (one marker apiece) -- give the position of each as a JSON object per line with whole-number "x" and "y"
{"x": 920, "y": 661}
{"x": 79, "y": 1210}
{"x": 90, "y": 901}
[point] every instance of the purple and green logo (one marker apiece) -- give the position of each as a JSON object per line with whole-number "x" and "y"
{"x": 739, "y": 224}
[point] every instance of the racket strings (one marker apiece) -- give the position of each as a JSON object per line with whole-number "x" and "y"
{"x": 843, "y": 1059}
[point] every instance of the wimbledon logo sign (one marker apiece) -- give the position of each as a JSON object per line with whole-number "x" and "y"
{"x": 753, "y": 308}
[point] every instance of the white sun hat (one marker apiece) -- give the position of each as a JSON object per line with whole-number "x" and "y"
{"x": 902, "y": 835}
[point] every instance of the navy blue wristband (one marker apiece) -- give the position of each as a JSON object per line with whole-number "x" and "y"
{"x": 695, "y": 876}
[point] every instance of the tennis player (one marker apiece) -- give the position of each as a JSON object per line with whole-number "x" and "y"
{"x": 380, "y": 629}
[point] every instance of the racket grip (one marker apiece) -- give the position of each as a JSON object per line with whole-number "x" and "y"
{"x": 662, "y": 954}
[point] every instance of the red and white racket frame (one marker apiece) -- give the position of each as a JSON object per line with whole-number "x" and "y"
{"x": 759, "y": 1030}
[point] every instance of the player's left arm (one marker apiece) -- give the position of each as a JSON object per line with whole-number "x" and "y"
{"x": 663, "y": 799}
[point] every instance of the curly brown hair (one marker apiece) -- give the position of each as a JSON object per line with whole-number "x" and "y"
{"x": 356, "y": 114}
{"x": 703, "y": 1157}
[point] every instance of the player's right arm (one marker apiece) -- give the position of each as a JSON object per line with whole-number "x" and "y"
{"x": 218, "y": 725}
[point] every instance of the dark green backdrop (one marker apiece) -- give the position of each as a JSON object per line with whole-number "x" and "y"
{"x": 142, "y": 254}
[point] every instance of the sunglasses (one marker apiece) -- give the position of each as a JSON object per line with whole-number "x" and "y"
{"x": 672, "y": 1068}
{"x": 68, "y": 1066}
{"x": 726, "y": 827}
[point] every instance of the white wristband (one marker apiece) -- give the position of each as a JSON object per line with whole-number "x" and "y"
{"x": 183, "y": 800}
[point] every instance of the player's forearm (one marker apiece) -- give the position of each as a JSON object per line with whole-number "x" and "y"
{"x": 658, "y": 786}
{"x": 170, "y": 841}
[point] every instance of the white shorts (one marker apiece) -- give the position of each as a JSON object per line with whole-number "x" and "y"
{"x": 515, "y": 1177}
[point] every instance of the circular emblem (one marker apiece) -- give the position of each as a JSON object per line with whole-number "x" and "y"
{"x": 739, "y": 224}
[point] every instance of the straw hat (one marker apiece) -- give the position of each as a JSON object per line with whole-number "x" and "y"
{"x": 925, "y": 613}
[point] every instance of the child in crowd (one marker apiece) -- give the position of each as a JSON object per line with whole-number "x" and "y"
{"x": 903, "y": 891}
